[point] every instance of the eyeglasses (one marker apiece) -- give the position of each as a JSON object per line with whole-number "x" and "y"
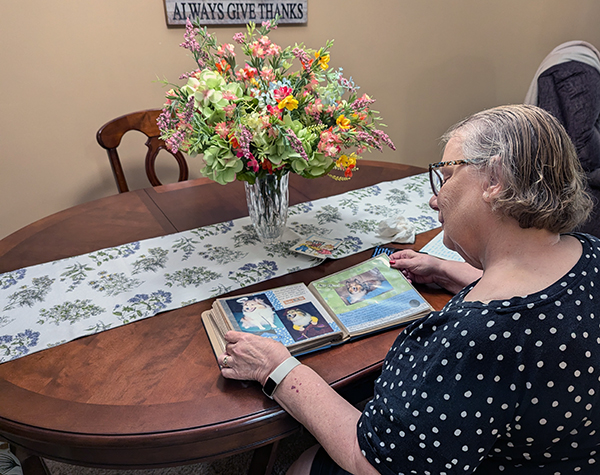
{"x": 436, "y": 178}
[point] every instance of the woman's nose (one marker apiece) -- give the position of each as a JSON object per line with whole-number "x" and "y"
{"x": 433, "y": 203}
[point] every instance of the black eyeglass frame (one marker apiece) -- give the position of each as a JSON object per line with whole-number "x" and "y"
{"x": 434, "y": 174}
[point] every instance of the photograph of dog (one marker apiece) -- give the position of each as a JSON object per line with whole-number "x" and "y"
{"x": 254, "y": 314}
{"x": 304, "y": 321}
{"x": 363, "y": 286}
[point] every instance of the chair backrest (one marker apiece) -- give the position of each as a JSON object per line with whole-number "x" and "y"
{"x": 567, "y": 84}
{"x": 109, "y": 137}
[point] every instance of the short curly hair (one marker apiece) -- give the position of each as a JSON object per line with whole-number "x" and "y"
{"x": 527, "y": 151}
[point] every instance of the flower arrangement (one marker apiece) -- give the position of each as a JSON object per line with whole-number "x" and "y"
{"x": 265, "y": 118}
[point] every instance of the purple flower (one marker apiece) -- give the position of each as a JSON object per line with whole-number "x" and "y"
{"x": 249, "y": 266}
{"x": 165, "y": 121}
{"x": 301, "y": 55}
{"x": 32, "y": 336}
{"x": 347, "y": 83}
{"x": 296, "y": 144}
{"x": 239, "y": 38}
{"x": 244, "y": 139}
{"x": 366, "y": 138}
{"x": 174, "y": 141}
{"x": 189, "y": 110}
{"x": 165, "y": 296}
{"x": 383, "y": 137}
{"x": 5, "y": 339}
{"x": 362, "y": 103}
{"x": 189, "y": 37}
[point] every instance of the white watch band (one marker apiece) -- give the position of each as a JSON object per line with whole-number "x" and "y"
{"x": 278, "y": 375}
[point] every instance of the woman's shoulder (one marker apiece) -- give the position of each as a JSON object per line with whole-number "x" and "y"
{"x": 587, "y": 240}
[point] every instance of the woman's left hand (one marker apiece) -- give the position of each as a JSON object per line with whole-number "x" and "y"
{"x": 250, "y": 357}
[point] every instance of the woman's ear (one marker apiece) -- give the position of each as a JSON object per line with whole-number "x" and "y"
{"x": 492, "y": 187}
{"x": 491, "y": 191}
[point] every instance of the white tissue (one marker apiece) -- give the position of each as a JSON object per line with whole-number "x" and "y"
{"x": 397, "y": 229}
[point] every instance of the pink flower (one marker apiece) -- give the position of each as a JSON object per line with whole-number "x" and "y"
{"x": 253, "y": 164}
{"x": 239, "y": 38}
{"x": 229, "y": 110}
{"x": 230, "y": 96}
{"x": 273, "y": 49}
{"x": 226, "y": 49}
{"x": 257, "y": 50}
{"x": 267, "y": 74}
{"x": 313, "y": 83}
{"x": 314, "y": 109}
{"x": 247, "y": 73}
{"x": 269, "y": 24}
{"x": 264, "y": 47}
{"x": 222, "y": 130}
{"x": 282, "y": 93}
{"x": 329, "y": 150}
{"x": 329, "y": 143}
{"x": 329, "y": 136}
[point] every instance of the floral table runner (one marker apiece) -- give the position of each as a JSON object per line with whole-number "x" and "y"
{"x": 53, "y": 303}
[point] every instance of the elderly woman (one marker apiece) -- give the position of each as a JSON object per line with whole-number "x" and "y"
{"x": 505, "y": 379}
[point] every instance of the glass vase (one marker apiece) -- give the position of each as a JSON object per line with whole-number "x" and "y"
{"x": 267, "y": 202}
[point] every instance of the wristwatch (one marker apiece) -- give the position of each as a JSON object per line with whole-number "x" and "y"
{"x": 278, "y": 375}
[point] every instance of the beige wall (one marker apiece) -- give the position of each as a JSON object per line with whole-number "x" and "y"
{"x": 68, "y": 66}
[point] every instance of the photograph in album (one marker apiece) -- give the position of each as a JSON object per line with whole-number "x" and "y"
{"x": 354, "y": 302}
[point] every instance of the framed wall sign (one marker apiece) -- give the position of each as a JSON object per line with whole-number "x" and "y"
{"x": 235, "y": 13}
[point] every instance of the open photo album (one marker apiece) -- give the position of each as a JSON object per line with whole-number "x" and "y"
{"x": 363, "y": 299}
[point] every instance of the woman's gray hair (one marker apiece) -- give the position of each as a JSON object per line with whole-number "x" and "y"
{"x": 528, "y": 152}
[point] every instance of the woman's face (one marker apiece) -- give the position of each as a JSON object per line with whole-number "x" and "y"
{"x": 459, "y": 202}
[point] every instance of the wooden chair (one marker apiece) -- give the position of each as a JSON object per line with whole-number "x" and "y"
{"x": 109, "y": 137}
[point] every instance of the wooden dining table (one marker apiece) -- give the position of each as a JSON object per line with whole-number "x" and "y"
{"x": 150, "y": 394}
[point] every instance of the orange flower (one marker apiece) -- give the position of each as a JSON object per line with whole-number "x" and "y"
{"x": 222, "y": 66}
{"x": 233, "y": 141}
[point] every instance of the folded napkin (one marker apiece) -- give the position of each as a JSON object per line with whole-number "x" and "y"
{"x": 397, "y": 229}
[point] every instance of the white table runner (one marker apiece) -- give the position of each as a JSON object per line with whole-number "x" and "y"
{"x": 53, "y": 303}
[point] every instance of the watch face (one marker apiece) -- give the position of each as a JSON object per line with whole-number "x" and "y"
{"x": 269, "y": 387}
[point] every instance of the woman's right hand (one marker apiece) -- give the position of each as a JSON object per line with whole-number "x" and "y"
{"x": 422, "y": 268}
{"x": 417, "y": 267}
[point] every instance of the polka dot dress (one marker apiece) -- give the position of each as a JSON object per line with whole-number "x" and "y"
{"x": 510, "y": 387}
